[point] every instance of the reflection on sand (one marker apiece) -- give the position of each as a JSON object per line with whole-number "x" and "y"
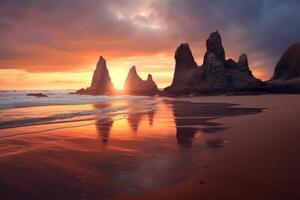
{"x": 186, "y": 117}
{"x": 134, "y": 120}
{"x": 103, "y": 127}
{"x": 191, "y": 117}
{"x": 149, "y": 146}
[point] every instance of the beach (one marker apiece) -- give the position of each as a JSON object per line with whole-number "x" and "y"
{"x": 135, "y": 147}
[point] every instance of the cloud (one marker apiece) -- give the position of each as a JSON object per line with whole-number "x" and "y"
{"x": 261, "y": 28}
{"x": 62, "y": 35}
{"x": 69, "y": 35}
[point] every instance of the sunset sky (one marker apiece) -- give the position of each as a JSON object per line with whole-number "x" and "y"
{"x": 55, "y": 44}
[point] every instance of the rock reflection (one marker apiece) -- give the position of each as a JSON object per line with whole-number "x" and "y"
{"x": 139, "y": 113}
{"x": 191, "y": 118}
{"x": 185, "y": 136}
{"x": 134, "y": 120}
{"x": 103, "y": 127}
{"x": 151, "y": 117}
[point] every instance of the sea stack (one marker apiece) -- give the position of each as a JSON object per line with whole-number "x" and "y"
{"x": 101, "y": 81}
{"x": 186, "y": 70}
{"x": 135, "y": 85}
{"x": 286, "y": 78}
{"x": 288, "y": 67}
{"x": 216, "y": 75}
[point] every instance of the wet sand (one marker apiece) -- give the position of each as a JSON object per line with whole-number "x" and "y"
{"x": 260, "y": 159}
{"x": 189, "y": 148}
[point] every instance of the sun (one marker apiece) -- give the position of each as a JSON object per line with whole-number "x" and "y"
{"x": 118, "y": 76}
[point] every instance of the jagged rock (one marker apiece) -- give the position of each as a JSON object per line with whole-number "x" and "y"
{"x": 101, "y": 82}
{"x": 288, "y": 66}
{"x": 185, "y": 69}
{"x": 151, "y": 85}
{"x": 135, "y": 85}
{"x": 286, "y": 78}
{"x": 243, "y": 61}
{"x": 81, "y": 91}
{"x": 216, "y": 75}
{"x": 221, "y": 75}
{"x": 214, "y": 45}
{"x": 37, "y": 95}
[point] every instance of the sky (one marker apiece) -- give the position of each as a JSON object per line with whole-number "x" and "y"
{"x": 55, "y": 44}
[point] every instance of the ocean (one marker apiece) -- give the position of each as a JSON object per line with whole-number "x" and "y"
{"x": 17, "y": 109}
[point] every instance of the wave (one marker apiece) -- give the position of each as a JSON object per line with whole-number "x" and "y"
{"x": 17, "y": 99}
{"x": 12, "y": 101}
{"x": 61, "y": 118}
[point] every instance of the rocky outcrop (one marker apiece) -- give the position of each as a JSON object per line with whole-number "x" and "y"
{"x": 37, "y": 95}
{"x": 214, "y": 46}
{"x": 243, "y": 61}
{"x": 288, "y": 67}
{"x": 286, "y": 78}
{"x": 101, "y": 82}
{"x": 185, "y": 69}
{"x": 135, "y": 85}
{"x": 216, "y": 75}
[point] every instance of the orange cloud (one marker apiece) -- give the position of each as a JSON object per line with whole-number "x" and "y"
{"x": 45, "y": 41}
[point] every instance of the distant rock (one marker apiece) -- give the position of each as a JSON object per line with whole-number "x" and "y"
{"x": 214, "y": 46}
{"x": 37, "y": 95}
{"x": 101, "y": 82}
{"x": 286, "y": 78}
{"x": 135, "y": 85}
{"x": 216, "y": 75}
{"x": 243, "y": 61}
{"x": 288, "y": 67}
{"x": 186, "y": 70}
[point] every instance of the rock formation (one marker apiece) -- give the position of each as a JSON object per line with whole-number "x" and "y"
{"x": 243, "y": 61}
{"x": 185, "y": 69}
{"x": 135, "y": 85}
{"x": 37, "y": 95}
{"x": 286, "y": 78}
{"x": 101, "y": 79}
{"x": 214, "y": 46}
{"x": 101, "y": 82}
{"x": 288, "y": 67}
{"x": 216, "y": 75}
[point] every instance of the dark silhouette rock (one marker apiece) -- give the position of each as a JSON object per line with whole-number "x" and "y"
{"x": 101, "y": 79}
{"x": 288, "y": 66}
{"x": 135, "y": 85}
{"x": 214, "y": 46}
{"x": 80, "y": 91}
{"x": 221, "y": 75}
{"x": 243, "y": 61}
{"x": 186, "y": 70}
{"x": 286, "y": 78}
{"x": 184, "y": 57}
{"x": 216, "y": 75}
{"x": 101, "y": 82}
{"x": 37, "y": 95}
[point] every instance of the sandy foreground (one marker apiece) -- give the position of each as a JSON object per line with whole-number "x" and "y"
{"x": 222, "y": 147}
{"x": 260, "y": 159}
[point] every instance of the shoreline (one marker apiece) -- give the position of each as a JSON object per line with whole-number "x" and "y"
{"x": 165, "y": 153}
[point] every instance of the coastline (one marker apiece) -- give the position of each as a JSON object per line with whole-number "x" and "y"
{"x": 162, "y": 153}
